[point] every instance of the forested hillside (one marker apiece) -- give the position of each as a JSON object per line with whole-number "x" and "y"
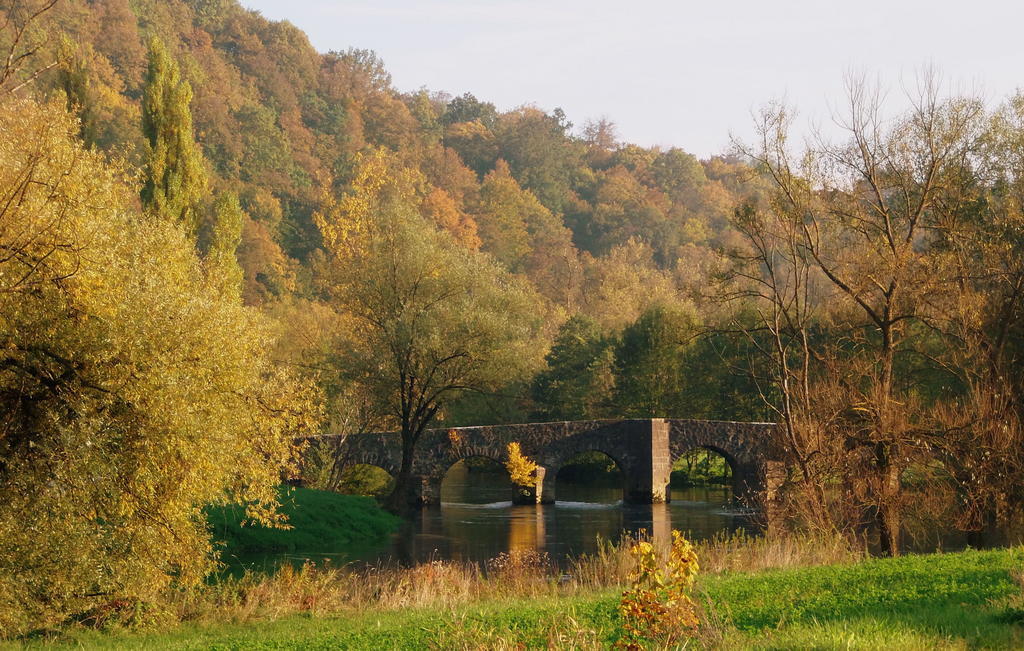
{"x": 601, "y": 229}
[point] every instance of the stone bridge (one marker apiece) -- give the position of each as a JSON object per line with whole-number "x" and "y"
{"x": 643, "y": 449}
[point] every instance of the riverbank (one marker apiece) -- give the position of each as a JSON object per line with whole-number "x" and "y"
{"x": 318, "y": 521}
{"x": 958, "y": 600}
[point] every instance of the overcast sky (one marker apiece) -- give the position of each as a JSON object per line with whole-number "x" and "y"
{"x": 671, "y": 73}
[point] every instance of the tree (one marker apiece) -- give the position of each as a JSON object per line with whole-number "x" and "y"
{"x": 524, "y": 236}
{"x": 132, "y": 392}
{"x": 175, "y": 180}
{"x": 468, "y": 108}
{"x": 650, "y": 363}
{"x": 577, "y": 383}
{"x": 624, "y": 208}
{"x": 23, "y": 40}
{"x": 439, "y": 207}
{"x": 982, "y": 245}
{"x": 601, "y": 134}
{"x": 781, "y": 303}
{"x": 222, "y": 256}
{"x": 540, "y": 154}
{"x": 868, "y": 212}
{"x": 431, "y": 320}
{"x": 618, "y": 287}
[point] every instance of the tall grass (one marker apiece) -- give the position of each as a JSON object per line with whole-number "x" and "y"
{"x": 323, "y": 589}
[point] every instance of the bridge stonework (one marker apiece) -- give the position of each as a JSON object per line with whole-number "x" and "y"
{"x": 643, "y": 449}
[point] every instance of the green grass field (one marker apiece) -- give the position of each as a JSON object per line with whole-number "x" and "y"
{"x": 953, "y": 601}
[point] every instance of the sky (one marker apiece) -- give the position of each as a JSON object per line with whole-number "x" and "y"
{"x": 674, "y": 73}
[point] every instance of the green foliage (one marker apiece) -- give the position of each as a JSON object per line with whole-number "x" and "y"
{"x": 175, "y": 180}
{"x": 700, "y": 466}
{"x": 591, "y": 468}
{"x": 651, "y": 375}
{"x": 879, "y": 588}
{"x": 577, "y": 382}
{"x": 318, "y": 521}
{"x": 540, "y": 155}
{"x": 468, "y": 108}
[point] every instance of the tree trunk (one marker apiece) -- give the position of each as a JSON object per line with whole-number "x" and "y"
{"x": 987, "y": 530}
{"x": 399, "y": 500}
{"x": 888, "y": 515}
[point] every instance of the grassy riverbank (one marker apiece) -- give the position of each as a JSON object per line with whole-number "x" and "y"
{"x": 320, "y": 521}
{"x": 962, "y": 600}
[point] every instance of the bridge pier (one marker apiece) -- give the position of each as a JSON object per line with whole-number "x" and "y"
{"x": 648, "y": 467}
{"x": 546, "y": 485}
{"x": 756, "y": 486}
{"x": 424, "y": 490}
{"x": 747, "y": 485}
{"x": 535, "y": 494}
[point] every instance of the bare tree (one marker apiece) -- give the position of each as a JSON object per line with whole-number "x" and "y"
{"x": 22, "y": 42}
{"x": 983, "y": 322}
{"x": 863, "y": 215}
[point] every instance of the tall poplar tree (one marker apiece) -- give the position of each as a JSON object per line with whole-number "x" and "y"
{"x": 226, "y": 235}
{"x": 175, "y": 179}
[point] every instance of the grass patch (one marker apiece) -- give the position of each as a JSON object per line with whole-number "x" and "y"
{"x": 321, "y": 521}
{"x": 945, "y": 601}
{"x": 921, "y": 601}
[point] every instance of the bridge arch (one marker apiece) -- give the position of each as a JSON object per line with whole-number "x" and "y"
{"x": 687, "y": 471}
{"x": 559, "y": 473}
{"x": 484, "y": 480}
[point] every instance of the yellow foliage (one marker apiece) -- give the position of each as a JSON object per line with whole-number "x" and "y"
{"x": 133, "y": 392}
{"x": 454, "y": 437}
{"x": 380, "y": 178}
{"x": 657, "y": 607}
{"x": 521, "y": 470}
{"x": 439, "y": 207}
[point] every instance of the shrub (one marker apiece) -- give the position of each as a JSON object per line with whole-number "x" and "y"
{"x": 657, "y": 606}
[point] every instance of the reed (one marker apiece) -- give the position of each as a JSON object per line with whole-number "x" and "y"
{"x": 324, "y": 589}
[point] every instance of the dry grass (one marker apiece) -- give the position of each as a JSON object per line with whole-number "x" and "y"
{"x": 322, "y": 589}
{"x": 741, "y": 552}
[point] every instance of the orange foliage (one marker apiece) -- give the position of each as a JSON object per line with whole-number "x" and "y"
{"x": 439, "y": 207}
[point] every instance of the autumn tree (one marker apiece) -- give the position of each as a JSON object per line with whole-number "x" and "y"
{"x": 431, "y": 320}
{"x": 23, "y": 38}
{"x": 779, "y": 304}
{"x": 132, "y": 392}
{"x": 225, "y": 237}
{"x": 618, "y": 287}
{"x": 981, "y": 248}
{"x": 525, "y": 236}
{"x": 175, "y": 179}
{"x": 867, "y": 211}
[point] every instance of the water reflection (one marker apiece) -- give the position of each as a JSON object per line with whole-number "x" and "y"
{"x": 476, "y": 521}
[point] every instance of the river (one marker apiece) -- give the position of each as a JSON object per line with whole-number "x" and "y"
{"x": 476, "y": 521}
